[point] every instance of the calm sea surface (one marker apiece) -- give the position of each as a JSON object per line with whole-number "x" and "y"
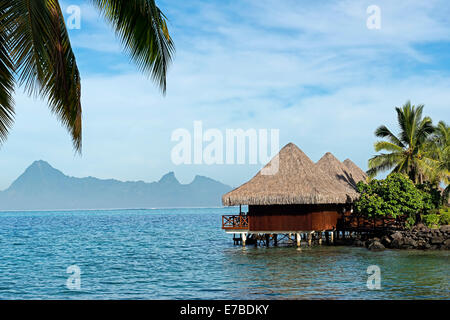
{"x": 184, "y": 254}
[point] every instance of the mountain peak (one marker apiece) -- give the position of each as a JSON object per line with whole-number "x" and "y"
{"x": 202, "y": 181}
{"x": 42, "y": 167}
{"x": 198, "y": 178}
{"x": 39, "y": 173}
{"x": 41, "y": 164}
{"x": 169, "y": 178}
{"x": 43, "y": 187}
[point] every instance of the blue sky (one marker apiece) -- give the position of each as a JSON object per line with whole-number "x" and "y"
{"x": 309, "y": 68}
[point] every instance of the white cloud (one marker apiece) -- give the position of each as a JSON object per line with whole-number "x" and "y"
{"x": 313, "y": 71}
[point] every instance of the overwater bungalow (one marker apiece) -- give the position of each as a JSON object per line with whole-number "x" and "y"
{"x": 298, "y": 199}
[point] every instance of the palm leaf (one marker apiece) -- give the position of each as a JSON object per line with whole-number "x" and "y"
{"x": 383, "y": 162}
{"x": 142, "y": 28}
{"x": 44, "y": 59}
{"x": 415, "y": 124}
{"x": 402, "y": 120}
{"x": 6, "y": 79}
{"x": 442, "y": 134}
{"x": 384, "y": 132}
{"x": 424, "y": 129}
{"x": 387, "y": 146}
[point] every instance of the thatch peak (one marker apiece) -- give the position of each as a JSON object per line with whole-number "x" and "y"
{"x": 337, "y": 170}
{"x": 329, "y": 157}
{"x": 357, "y": 173}
{"x": 297, "y": 181}
{"x": 350, "y": 164}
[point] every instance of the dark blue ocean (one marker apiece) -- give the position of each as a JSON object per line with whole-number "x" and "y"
{"x": 184, "y": 254}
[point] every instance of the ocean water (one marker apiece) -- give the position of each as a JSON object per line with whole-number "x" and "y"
{"x": 184, "y": 254}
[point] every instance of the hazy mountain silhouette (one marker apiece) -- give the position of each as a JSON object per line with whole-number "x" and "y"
{"x": 43, "y": 187}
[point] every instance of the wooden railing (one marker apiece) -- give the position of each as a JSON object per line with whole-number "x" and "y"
{"x": 354, "y": 222}
{"x": 235, "y": 222}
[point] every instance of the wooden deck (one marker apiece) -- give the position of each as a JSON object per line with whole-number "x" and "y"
{"x": 348, "y": 226}
{"x": 235, "y": 222}
{"x": 347, "y": 222}
{"x": 355, "y": 223}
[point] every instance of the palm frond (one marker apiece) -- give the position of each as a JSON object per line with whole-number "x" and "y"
{"x": 383, "y": 162}
{"x": 387, "y": 146}
{"x": 142, "y": 28}
{"x": 429, "y": 169}
{"x": 6, "y": 79}
{"x": 442, "y": 134}
{"x": 424, "y": 129}
{"x": 402, "y": 120}
{"x": 384, "y": 132}
{"x": 45, "y": 61}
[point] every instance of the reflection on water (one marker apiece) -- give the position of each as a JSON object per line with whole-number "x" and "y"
{"x": 183, "y": 254}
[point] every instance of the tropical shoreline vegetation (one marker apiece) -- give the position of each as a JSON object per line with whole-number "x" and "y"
{"x": 419, "y": 160}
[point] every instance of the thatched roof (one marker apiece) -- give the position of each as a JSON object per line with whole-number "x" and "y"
{"x": 337, "y": 170}
{"x": 297, "y": 181}
{"x": 356, "y": 172}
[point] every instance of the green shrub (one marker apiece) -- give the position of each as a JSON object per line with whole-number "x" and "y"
{"x": 437, "y": 218}
{"x": 396, "y": 196}
{"x": 444, "y": 218}
{"x": 431, "y": 220}
{"x": 432, "y": 196}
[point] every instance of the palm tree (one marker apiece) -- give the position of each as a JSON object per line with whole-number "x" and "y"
{"x": 35, "y": 52}
{"x": 406, "y": 152}
{"x": 438, "y": 155}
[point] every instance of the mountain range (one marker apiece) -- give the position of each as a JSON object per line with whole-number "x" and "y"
{"x": 42, "y": 187}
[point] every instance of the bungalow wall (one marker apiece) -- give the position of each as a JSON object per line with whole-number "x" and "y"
{"x": 293, "y": 217}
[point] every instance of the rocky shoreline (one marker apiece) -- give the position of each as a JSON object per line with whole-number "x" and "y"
{"x": 419, "y": 237}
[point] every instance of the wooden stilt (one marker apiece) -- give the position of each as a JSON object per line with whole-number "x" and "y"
{"x": 275, "y": 239}
{"x": 327, "y": 237}
{"x": 267, "y": 240}
{"x": 309, "y": 239}
{"x": 299, "y": 239}
{"x": 244, "y": 239}
{"x": 320, "y": 238}
{"x": 332, "y": 236}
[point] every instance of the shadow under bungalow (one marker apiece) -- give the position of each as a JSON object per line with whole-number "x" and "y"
{"x": 292, "y": 199}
